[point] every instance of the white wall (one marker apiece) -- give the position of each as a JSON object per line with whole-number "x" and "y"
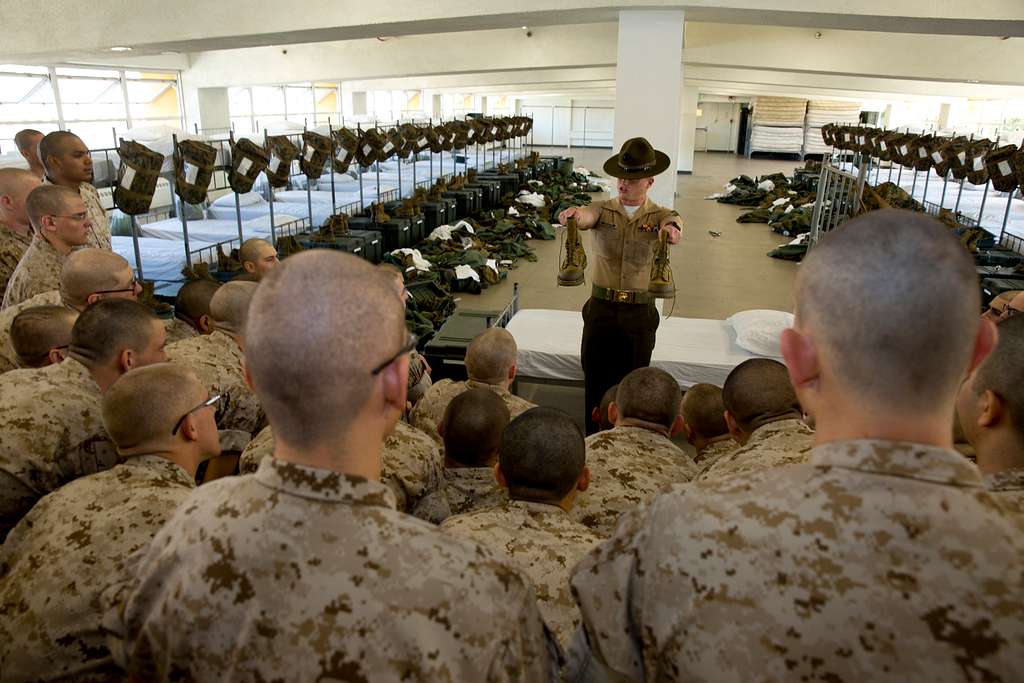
{"x": 560, "y": 121}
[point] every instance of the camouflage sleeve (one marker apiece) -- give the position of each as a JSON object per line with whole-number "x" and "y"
{"x": 433, "y": 507}
{"x": 532, "y": 652}
{"x": 602, "y": 584}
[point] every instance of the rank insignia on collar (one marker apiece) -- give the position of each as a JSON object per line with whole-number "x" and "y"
{"x": 648, "y": 227}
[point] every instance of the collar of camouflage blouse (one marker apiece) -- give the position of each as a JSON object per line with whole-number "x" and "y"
{"x": 644, "y": 424}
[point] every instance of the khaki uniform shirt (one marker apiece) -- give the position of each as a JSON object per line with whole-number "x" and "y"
{"x": 462, "y": 490}
{"x": 99, "y": 236}
{"x": 411, "y": 464}
{"x": 57, "y": 561}
{"x": 429, "y": 411}
{"x": 786, "y": 442}
{"x": 1008, "y": 486}
{"x": 544, "y": 542}
{"x": 217, "y": 360}
{"x": 303, "y": 574}
{"x": 12, "y": 248}
{"x": 51, "y": 432}
{"x": 878, "y": 561}
{"x": 623, "y": 246}
{"x": 37, "y": 272}
{"x": 8, "y": 357}
{"x": 177, "y": 330}
{"x": 713, "y": 451}
{"x": 628, "y": 465}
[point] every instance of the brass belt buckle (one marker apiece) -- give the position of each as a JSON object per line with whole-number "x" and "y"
{"x": 622, "y": 296}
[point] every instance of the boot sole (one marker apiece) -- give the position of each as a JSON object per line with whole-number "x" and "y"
{"x": 570, "y": 282}
{"x": 662, "y": 291}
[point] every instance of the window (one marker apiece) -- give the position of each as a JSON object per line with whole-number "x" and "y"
{"x": 252, "y": 109}
{"x": 93, "y": 103}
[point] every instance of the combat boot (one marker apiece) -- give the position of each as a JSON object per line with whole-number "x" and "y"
{"x": 379, "y": 215}
{"x": 661, "y": 272}
{"x": 148, "y": 298}
{"x": 575, "y": 262}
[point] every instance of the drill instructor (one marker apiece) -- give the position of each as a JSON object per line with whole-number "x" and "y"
{"x": 620, "y": 319}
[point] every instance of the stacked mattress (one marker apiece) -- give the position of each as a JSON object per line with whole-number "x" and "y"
{"x": 820, "y": 112}
{"x": 778, "y": 125}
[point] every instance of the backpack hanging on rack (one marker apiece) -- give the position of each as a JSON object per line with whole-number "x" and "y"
{"x": 906, "y": 150}
{"x": 248, "y": 160}
{"x": 954, "y": 153}
{"x": 370, "y": 145}
{"x": 193, "y": 170}
{"x": 939, "y": 163}
{"x": 887, "y": 145}
{"x": 136, "y": 177}
{"x": 434, "y": 141}
{"x": 282, "y": 152}
{"x": 316, "y": 150}
{"x": 345, "y": 144}
{"x": 1018, "y": 162}
{"x": 922, "y": 157}
{"x": 1001, "y": 164}
{"x": 864, "y": 140}
{"x": 976, "y": 153}
{"x": 392, "y": 143}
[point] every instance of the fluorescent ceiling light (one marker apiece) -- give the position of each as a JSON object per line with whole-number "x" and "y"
{"x": 120, "y": 48}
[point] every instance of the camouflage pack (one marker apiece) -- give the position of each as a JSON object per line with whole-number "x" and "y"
{"x": 977, "y": 173}
{"x": 248, "y": 160}
{"x": 316, "y": 150}
{"x": 1001, "y": 164}
{"x": 921, "y": 153}
{"x": 193, "y": 170}
{"x": 136, "y": 177}
{"x": 371, "y": 142}
{"x": 282, "y": 152}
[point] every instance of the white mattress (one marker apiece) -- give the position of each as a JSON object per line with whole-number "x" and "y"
{"x": 692, "y": 350}
{"x": 162, "y": 260}
{"x": 776, "y": 139}
{"x": 211, "y": 230}
{"x": 321, "y": 210}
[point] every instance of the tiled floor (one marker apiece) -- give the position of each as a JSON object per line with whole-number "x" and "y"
{"x": 715, "y": 276}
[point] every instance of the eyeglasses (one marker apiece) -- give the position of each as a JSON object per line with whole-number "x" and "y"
{"x": 409, "y": 347}
{"x": 213, "y": 400}
{"x": 130, "y": 288}
{"x": 74, "y": 216}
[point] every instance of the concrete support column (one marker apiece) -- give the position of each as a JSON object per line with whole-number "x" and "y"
{"x": 346, "y": 106}
{"x": 648, "y": 87}
{"x": 213, "y": 108}
{"x": 687, "y": 128}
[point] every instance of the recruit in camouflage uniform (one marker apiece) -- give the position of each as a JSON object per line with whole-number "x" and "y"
{"x": 410, "y": 465}
{"x": 883, "y": 561}
{"x": 12, "y": 248}
{"x": 462, "y": 490}
{"x": 37, "y": 272}
{"x": 217, "y": 360}
{"x": 785, "y": 442}
{"x": 8, "y": 356}
{"x": 429, "y": 412}
{"x": 179, "y": 330}
{"x": 51, "y": 432}
{"x": 713, "y": 451}
{"x": 55, "y": 564}
{"x": 297, "y": 573}
{"x": 628, "y": 465}
{"x": 1008, "y": 486}
{"x": 99, "y": 234}
{"x": 543, "y": 541}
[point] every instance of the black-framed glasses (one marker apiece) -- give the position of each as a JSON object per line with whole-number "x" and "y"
{"x": 130, "y": 288}
{"x": 409, "y": 347}
{"x": 81, "y": 216}
{"x": 212, "y": 401}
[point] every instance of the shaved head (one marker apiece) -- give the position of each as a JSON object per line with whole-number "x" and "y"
{"x": 491, "y": 355}
{"x": 704, "y": 411}
{"x": 349, "y": 322}
{"x": 111, "y": 326}
{"x": 1002, "y": 372}
{"x": 37, "y": 330}
{"x": 17, "y": 182}
{"x": 758, "y": 391}
{"x": 48, "y": 200}
{"x": 56, "y": 144}
{"x": 473, "y": 423}
{"x": 143, "y": 405}
{"x": 604, "y": 422}
{"x": 257, "y": 257}
{"x": 542, "y": 454}
{"x": 891, "y": 303}
{"x": 649, "y": 394}
{"x": 229, "y": 306}
{"x": 27, "y": 140}
{"x": 193, "y": 300}
{"x": 87, "y": 271}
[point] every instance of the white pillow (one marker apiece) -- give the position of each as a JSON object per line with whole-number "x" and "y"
{"x": 247, "y": 199}
{"x": 758, "y": 331}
